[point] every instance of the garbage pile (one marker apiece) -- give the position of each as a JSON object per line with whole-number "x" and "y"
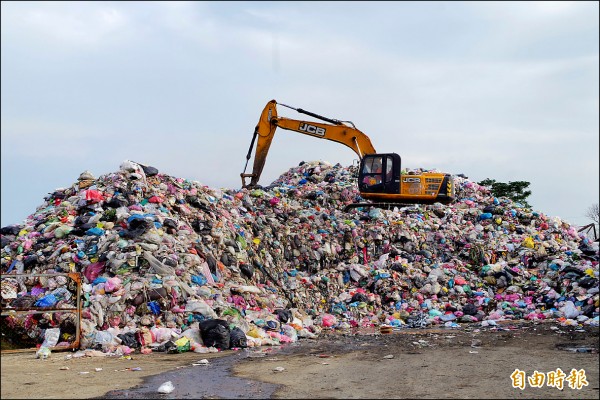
{"x": 169, "y": 264}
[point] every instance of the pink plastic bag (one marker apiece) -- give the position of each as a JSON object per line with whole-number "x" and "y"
{"x": 93, "y": 270}
{"x": 328, "y": 320}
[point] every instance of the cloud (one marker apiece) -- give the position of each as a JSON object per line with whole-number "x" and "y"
{"x": 66, "y": 25}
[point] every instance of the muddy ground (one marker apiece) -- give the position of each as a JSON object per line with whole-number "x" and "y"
{"x": 469, "y": 362}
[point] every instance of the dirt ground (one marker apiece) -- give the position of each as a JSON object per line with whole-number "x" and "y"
{"x": 468, "y": 362}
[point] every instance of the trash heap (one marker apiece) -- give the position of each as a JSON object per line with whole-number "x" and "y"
{"x": 169, "y": 264}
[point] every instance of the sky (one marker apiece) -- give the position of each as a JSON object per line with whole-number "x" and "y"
{"x": 500, "y": 90}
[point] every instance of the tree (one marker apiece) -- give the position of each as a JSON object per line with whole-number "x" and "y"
{"x": 513, "y": 190}
{"x": 593, "y": 213}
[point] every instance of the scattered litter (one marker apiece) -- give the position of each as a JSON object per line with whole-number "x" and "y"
{"x": 43, "y": 353}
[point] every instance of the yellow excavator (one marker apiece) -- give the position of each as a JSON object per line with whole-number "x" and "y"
{"x": 380, "y": 179}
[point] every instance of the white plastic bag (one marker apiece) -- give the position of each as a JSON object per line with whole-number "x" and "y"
{"x": 569, "y": 310}
{"x": 166, "y": 387}
{"x": 51, "y": 337}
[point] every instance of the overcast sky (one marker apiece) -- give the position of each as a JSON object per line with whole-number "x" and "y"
{"x": 501, "y": 90}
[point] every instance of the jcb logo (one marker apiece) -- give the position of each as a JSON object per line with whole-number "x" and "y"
{"x": 411, "y": 180}
{"x": 311, "y": 129}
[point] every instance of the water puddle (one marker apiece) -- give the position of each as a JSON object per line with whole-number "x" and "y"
{"x": 574, "y": 348}
{"x": 212, "y": 381}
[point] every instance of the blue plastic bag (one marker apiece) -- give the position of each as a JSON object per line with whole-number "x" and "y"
{"x": 154, "y": 307}
{"x": 47, "y": 301}
{"x": 199, "y": 279}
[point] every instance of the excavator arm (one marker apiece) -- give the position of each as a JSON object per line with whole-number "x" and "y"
{"x": 334, "y": 130}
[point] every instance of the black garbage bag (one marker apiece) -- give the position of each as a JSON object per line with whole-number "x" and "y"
{"x": 26, "y": 301}
{"x": 6, "y": 240}
{"x": 470, "y": 309}
{"x": 195, "y": 202}
{"x": 116, "y": 202}
{"x": 588, "y": 282}
{"x": 137, "y": 227}
{"x": 212, "y": 262}
{"x": 30, "y": 261}
{"x": 148, "y": 170}
{"x": 168, "y": 347}
{"x": 284, "y": 315}
{"x": 10, "y": 230}
{"x": 218, "y": 337}
{"x": 202, "y": 227}
{"x": 168, "y": 223}
{"x": 398, "y": 267}
{"x": 227, "y": 259}
{"x": 247, "y": 270}
{"x": 489, "y": 209}
{"x": 81, "y": 219}
{"x": 209, "y": 324}
{"x": 238, "y": 338}
{"x": 129, "y": 340}
{"x": 588, "y": 310}
{"x": 360, "y": 297}
{"x": 215, "y": 333}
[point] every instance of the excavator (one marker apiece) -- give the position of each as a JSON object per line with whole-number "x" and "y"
{"x": 380, "y": 177}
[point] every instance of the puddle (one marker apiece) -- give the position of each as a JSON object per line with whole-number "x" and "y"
{"x": 572, "y": 348}
{"x": 213, "y": 381}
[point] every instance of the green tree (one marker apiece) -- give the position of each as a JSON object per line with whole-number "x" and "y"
{"x": 513, "y": 190}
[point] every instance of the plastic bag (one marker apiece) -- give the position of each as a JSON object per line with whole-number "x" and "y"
{"x": 51, "y": 337}
{"x": 238, "y": 338}
{"x": 569, "y": 310}
{"x": 328, "y": 320}
{"x": 215, "y": 333}
{"x": 154, "y": 307}
{"x": 200, "y": 306}
{"x": 162, "y": 334}
{"x": 93, "y": 270}
{"x": 183, "y": 344}
{"x": 166, "y": 387}
{"x": 43, "y": 353}
{"x": 128, "y": 339}
{"x": 105, "y": 338}
{"x": 199, "y": 279}
{"x": 148, "y": 170}
{"x": 193, "y": 334}
{"x": 46, "y": 301}
{"x": 157, "y": 266}
{"x": 93, "y": 196}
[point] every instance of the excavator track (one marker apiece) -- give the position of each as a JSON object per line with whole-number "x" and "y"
{"x": 387, "y": 206}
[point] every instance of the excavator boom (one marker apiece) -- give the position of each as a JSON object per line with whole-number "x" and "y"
{"x": 336, "y": 131}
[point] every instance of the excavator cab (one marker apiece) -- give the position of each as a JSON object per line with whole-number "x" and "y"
{"x": 379, "y": 173}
